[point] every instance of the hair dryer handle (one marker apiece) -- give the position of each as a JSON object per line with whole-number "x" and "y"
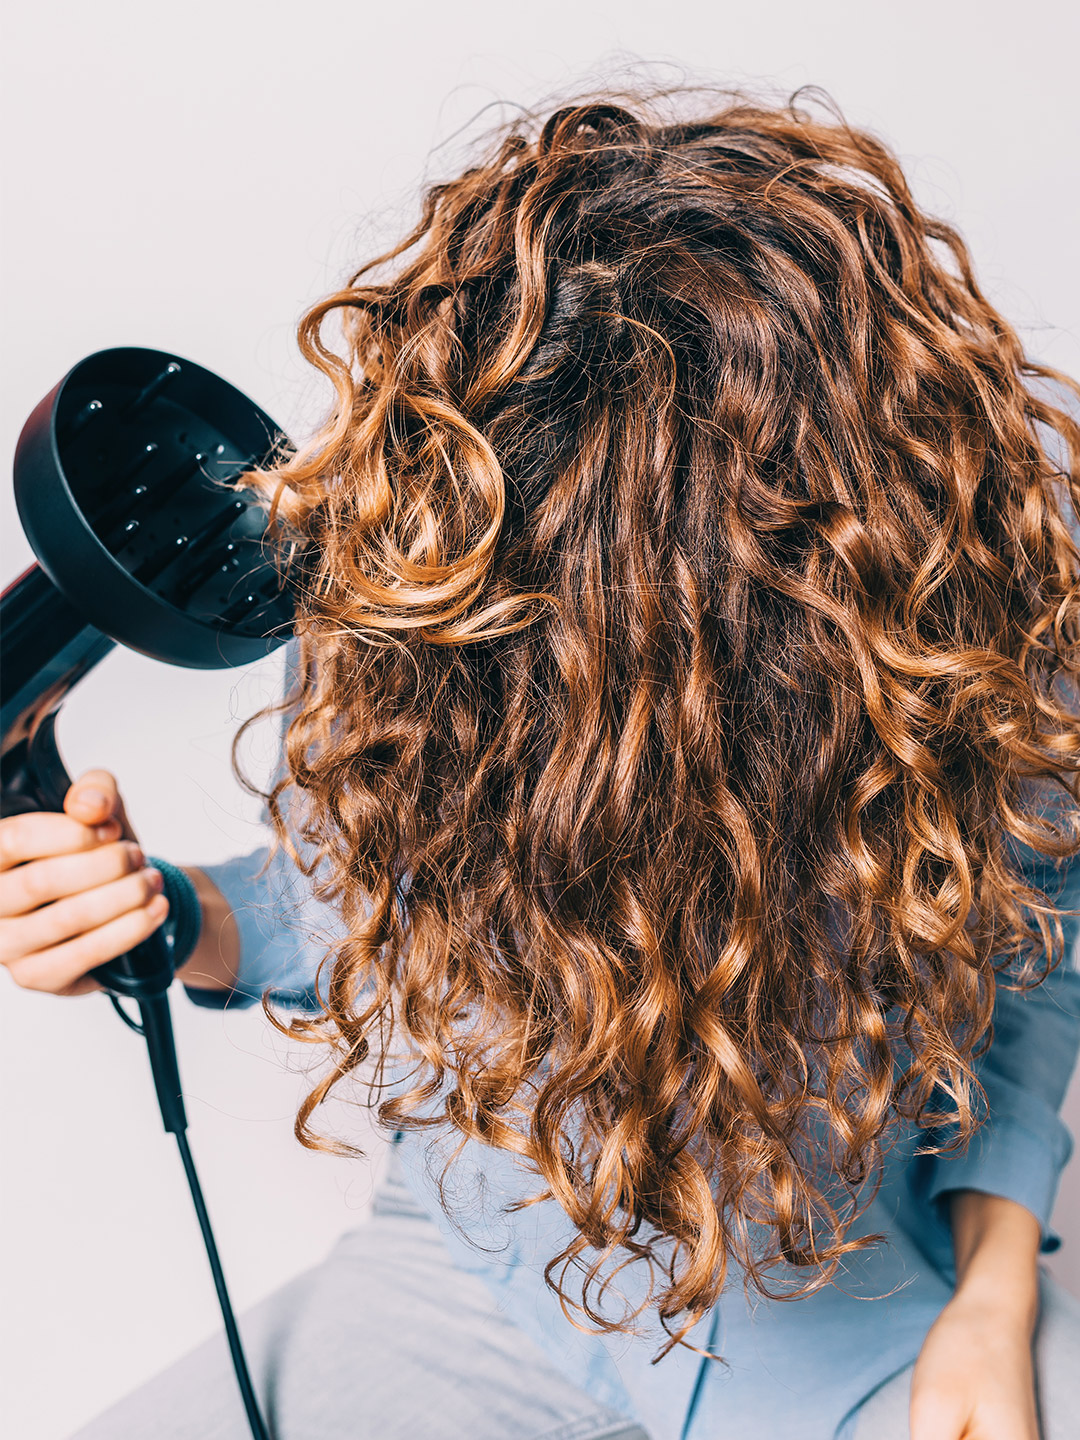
{"x": 36, "y": 778}
{"x": 34, "y": 775}
{"x": 147, "y": 970}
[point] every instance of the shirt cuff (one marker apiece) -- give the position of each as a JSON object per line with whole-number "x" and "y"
{"x": 283, "y": 933}
{"x": 1018, "y": 1153}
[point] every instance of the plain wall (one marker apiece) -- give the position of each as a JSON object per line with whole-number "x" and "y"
{"x": 189, "y": 177}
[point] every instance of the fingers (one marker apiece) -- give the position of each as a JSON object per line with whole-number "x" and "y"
{"x": 26, "y": 887}
{"x": 62, "y": 969}
{"x": 73, "y": 894}
{"x": 74, "y": 914}
{"x": 44, "y": 833}
{"x": 95, "y": 798}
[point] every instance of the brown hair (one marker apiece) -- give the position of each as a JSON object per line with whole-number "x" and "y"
{"x": 688, "y": 584}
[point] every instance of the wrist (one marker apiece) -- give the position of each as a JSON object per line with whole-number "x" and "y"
{"x": 214, "y": 962}
{"x": 996, "y": 1242}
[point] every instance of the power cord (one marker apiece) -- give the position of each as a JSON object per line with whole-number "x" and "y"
{"x": 232, "y": 1334}
{"x": 144, "y": 976}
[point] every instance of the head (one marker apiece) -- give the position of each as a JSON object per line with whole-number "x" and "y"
{"x": 689, "y": 626}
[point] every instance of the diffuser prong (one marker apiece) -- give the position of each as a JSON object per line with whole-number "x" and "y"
{"x": 148, "y": 392}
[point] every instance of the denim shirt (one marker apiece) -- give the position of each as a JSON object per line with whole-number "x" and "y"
{"x": 795, "y": 1368}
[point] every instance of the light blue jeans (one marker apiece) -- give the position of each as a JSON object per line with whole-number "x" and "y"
{"x": 388, "y": 1340}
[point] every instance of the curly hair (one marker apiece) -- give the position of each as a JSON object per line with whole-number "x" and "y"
{"x": 688, "y": 625}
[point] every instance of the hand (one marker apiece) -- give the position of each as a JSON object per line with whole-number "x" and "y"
{"x": 75, "y": 889}
{"x": 975, "y": 1378}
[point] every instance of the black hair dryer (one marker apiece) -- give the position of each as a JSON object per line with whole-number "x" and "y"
{"x": 125, "y": 483}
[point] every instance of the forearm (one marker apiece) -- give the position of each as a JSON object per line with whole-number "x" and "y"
{"x": 214, "y": 962}
{"x": 974, "y": 1374}
{"x": 996, "y": 1245}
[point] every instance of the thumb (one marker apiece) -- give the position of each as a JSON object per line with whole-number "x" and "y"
{"x": 95, "y": 798}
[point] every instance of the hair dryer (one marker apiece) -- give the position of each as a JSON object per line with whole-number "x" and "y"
{"x": 124, "y": 483}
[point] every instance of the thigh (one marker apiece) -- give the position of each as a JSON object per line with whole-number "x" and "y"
{"x": 1057, "y": 1362}
{"x": 884, "y": 1415}
{"x": 386, "y": 1340}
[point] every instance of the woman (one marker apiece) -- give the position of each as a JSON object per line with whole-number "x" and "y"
{"x": 683, "y": 753}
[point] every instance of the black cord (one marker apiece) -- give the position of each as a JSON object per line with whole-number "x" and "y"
{"x": 144, "y": 976}
{"x": 128, "y": 1021}
{"x": 243, "y": 1379}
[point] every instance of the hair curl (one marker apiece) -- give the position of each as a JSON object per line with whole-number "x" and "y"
{"x": 687, "y": 583}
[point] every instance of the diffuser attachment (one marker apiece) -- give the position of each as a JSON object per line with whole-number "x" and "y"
{"x": 125, "y": 482}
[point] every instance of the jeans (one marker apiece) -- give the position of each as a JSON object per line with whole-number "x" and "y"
{"x": 388, "y": 1340}
{"x": 385, "y": 1340}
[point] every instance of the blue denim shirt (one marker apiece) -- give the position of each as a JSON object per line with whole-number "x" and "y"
{"x": 798, "y": 1368}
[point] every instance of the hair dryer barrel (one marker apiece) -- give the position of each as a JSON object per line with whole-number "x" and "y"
{"x": 48, "y": 647}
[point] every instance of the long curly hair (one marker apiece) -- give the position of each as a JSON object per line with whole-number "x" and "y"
{"x": 688, "y": 629}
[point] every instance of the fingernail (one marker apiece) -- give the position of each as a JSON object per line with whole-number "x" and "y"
{"x": 109, "y": 831}
{"x": 158, "y": 906}
{"x": 136, "y": 856}
{"x": 93, "y": 799}
{"x": 155, "y": 878}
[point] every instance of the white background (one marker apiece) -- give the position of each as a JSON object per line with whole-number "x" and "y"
{"x": 189, "y": 177}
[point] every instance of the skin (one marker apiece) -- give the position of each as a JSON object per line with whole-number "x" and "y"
{"x": 974, "y": 1378}
{"x": 75, "y": 891}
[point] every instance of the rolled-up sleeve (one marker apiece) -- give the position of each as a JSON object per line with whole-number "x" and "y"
{"x": 284, "y": 932}
{"x": 1023, "y": 1145}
